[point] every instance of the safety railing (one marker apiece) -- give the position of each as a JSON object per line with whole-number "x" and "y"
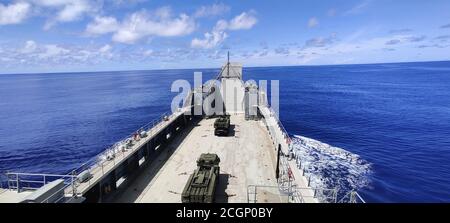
{"x": 113, "y": 155}
{"x": 286, "y": 176}
{"x": 96, "y": 166}
{"x": 3, "y": 183}
{"x": 61, "y": 196}
{"x": 351, "y": 197}
{"x": 284, "y": 133}
{"x": 321, "y": 195}
{"x": 33, "y": 181}
{"x": 280, "y": 125}
{"x": 294, "y": 194}
{"x": 267, "y": 194}
{"x": 115, "y": 149}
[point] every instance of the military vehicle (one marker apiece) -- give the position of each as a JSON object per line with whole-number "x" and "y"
{"x": 201, "y": 185}
{"x": 222, "y": 125}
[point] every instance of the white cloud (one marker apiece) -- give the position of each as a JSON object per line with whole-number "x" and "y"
{"x": 210, "y": 40}
{"x": 143, "y": 24}
{"x": 53, "y": 51}
{"x": 147, "y": 53}
{"x": 30, "y": 47}
{"x": 73, "y": 11}
{"x": 105, "y": 51}
{"x": 402, "y": 39}
{"x": 102, "y": 25}
{"x": 320, "y": 41}
{"x": 323, "y": 50}
{"x": 62, "y": 11}
{"x": 127, "y": 2}
{"x": 333, "y": 50}
{"x": 359, "y": 8}
{"x": 221, "y": 25}
{"x": 211, "y": 10}
{"x": 106, "y": 48}
{"x": 313, "y": 22}
{"x": 14, "y": 13}
{"x": 245, "y": 20}
{"x": 282, "y": 51}
{"x": 34, "y": 54}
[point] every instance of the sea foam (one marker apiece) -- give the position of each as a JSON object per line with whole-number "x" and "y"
{"x": 331, "y": 167}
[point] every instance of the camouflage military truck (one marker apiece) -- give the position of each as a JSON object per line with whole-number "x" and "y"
{"x": 201, "y": 185}
{"x": 222, "y": 125}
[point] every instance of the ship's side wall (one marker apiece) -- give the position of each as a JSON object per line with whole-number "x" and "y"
{"x": 117, "y": 179}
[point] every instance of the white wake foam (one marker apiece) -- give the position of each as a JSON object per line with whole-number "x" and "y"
{"x": 331, "y": 167}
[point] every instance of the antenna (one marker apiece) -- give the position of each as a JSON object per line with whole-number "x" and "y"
{"x": 228, "y": 64}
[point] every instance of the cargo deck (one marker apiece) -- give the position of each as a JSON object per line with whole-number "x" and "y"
{"x": 247, "y": 158}
{"x": 153, "y": 164}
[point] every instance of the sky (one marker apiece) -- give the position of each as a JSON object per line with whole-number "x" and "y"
{"x": 104, "y": 35}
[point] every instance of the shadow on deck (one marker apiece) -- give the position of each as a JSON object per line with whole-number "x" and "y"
{"x": 150, "y": 170}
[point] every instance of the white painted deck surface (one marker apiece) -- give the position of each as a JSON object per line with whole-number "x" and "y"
{"x": 247, "y": 158}
{"x": 12, "y": 196}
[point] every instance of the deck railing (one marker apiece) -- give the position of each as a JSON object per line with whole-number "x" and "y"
{"x": 114, "y": 150}
{"x": 322, "y": 194}
{"x": 296, "y": 194}
{"x": 351, "y": 197}
{"x": 32, "y": 181}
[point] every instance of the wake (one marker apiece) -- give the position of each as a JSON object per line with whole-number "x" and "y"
{"x": 330, "y": 167}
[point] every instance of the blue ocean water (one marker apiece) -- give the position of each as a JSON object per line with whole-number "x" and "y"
{"x": 394, "y": 117}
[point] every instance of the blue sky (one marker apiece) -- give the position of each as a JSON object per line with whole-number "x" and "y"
{"x": 96, "y": 35}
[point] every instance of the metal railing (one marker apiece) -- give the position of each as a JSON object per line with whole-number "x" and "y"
{"x": 268, "y": 194}
{"x": 321, "y": 194}
{"x": 294, "y": 194}
{"x": 113, "y": 155}
{"x": 3, "y": 183}
{"x": 100, "y": 163}
{"x": 274, "y": 194}
{"x": 150, "y": 128}
{"x": 351, "y": 197}
{"x": 65, "y": 198}
{"x": 28, "y": 182}
{"x": 280, "y": 124}
{"x": 33, "y": 181}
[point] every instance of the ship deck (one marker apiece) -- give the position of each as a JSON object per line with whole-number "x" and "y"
{"x": 247, "y": 155}
{"x": 11, "y": 196}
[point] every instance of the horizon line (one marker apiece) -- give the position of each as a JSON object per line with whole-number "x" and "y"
{"x": 209, "y": 68}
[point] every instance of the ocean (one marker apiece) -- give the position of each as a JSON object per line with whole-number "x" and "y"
{"x": 382, "y": 129}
